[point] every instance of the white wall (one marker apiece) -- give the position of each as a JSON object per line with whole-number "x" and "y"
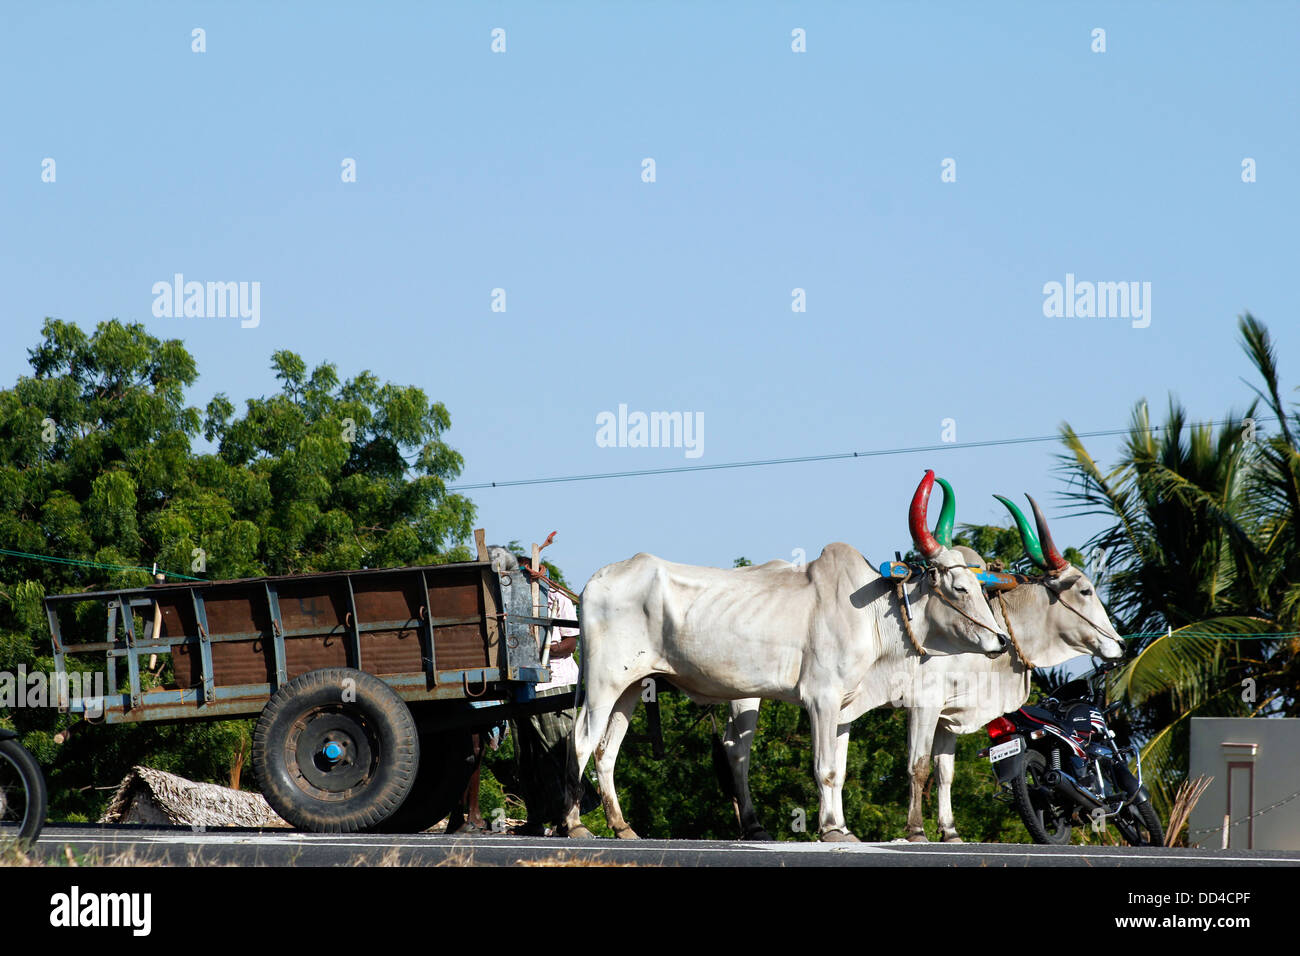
{"x": 1275, "y": 764}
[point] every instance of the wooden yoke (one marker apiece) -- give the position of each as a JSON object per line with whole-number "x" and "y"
{"x": 998, "y": 580}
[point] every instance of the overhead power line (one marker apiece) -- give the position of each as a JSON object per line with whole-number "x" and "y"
{"x": 97, "y": 565}
{"x": 1213, "y": 636}
{"x": 878, "y": 453}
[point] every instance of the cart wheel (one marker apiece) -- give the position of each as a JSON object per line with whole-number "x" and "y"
{"x": 22, "y": 793}
{"x": 335, "y": 751}
{"x": 446, "y": 765}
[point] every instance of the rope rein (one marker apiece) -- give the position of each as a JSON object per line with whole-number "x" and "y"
{"x": 939, "y": 594}
{"x": 907, "y": 621}
{"x": 1080, "y": 614}
{"x": 1011, "y": 633}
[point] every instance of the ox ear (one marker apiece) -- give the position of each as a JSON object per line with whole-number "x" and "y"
{"x": 932, "y": 575}
{"x": 1063, "y": 581}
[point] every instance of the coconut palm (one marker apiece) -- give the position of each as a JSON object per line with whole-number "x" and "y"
{"x": 1203, "y": 548}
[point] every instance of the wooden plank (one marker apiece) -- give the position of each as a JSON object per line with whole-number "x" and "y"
{"x": 354, "y": 642}
{"x": 480, "y": 542}
{"x": 544, "y": 650}
{"x": 431, "y": 658}
{"x": 491, "y": 622}
{"x": 277, "y": 635}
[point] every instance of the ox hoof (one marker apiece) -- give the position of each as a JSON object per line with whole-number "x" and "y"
{"x": 918, "y": 837}
{"x": 758, "y": 835}
{"x": 952, "y": 838}
{"x": 839, "y": 836}
{"x": 579, "y": 832}
{"x": 627, "y": 833}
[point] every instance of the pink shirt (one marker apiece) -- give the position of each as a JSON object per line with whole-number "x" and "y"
{"x": 564, "y": 670}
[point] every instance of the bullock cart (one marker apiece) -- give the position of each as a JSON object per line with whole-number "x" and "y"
{"x": 365, "y": 684}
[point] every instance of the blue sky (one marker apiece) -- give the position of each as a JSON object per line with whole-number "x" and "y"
{"x": 774, "y": 170}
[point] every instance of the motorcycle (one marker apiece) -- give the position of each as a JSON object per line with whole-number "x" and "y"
{"x": 1063, "y": 767}
{"x": 22, "y": 792}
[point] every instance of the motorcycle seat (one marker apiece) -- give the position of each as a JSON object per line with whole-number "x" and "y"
{"x": 1041, "y": 713}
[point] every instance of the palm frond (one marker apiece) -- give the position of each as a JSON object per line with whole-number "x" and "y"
{"x": 1165, "y": 754}
{"x": 1179, "y": 665}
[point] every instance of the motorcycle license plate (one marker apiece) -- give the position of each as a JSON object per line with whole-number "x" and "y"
{"x": 1003, "y": 751}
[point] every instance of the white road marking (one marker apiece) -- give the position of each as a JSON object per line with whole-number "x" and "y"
{"x": 557, "y": 845}
{"x": 1081, "y": 853}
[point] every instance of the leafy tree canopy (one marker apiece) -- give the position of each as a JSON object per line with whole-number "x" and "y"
{"x": 98, "y": 466}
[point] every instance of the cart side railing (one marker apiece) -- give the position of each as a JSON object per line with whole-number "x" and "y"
{"x": 436, "y": 632}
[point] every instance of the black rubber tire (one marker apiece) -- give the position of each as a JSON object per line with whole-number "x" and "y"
{"x": 446, "y": 765}
{"x": 380, "y": 744}
{"x": 1026, "y": 800}
{"x": 23, "y": 803}
{"x": 1143, "y": 828}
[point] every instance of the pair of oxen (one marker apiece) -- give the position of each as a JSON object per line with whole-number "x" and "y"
{"x": 838, "y": 638}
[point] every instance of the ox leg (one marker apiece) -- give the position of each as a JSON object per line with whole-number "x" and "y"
{"x": 607, "y": 755}
{"x": 737, "y": 744}
{"x": 824, "y": 715}
{"x": 921, "y": 725}
{"x": 842, "y": 771}
{"x": 600, "y": 698}
{"x": 945, "y": 749}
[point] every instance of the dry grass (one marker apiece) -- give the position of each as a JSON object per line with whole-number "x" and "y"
{"x": 567, "y": 858}
{"x": 458, "y": 857}
{"x": 392, "y": 858}
{"x": 13, "y": 855}
{"x": 1185, "y": 800}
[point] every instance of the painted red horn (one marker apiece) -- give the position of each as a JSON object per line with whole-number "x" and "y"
{"x": 917, "y": 522}
{"x": 1051, "y": 555}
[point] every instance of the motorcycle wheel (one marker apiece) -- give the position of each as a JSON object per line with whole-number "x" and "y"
{"x": 1139, "y": 825}
{"x": 1045, "y": 822}
{"x": 22, "y": 794}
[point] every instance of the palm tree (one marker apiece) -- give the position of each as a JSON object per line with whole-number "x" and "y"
{"x": 1203, "y": 550}
{"x": 1275, "y": 511}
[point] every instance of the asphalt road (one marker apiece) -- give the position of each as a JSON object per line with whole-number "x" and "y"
{"x": 182, "y": 846}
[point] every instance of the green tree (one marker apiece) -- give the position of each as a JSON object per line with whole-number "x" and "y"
{"x": 98, "y": 470}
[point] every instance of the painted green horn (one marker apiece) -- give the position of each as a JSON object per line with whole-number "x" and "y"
{"x": 1027, "y": 536}
{"x": 947, "y": 514}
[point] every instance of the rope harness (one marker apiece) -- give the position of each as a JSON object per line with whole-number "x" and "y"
{"x": 1011, "y": 633}
{"x": 1064, "y": 603}
{"x": 907, "y": 620}
{"x": 1080, "y": 614}
{"x": 939, "y": 594}
{"x": 904, "y": 607}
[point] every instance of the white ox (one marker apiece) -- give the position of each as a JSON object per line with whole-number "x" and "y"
{"x": 1051, "y": 619}
{"x": 828, "y": 636}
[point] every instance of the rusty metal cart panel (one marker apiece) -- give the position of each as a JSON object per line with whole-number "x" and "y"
{"x": 432, "y": 633}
